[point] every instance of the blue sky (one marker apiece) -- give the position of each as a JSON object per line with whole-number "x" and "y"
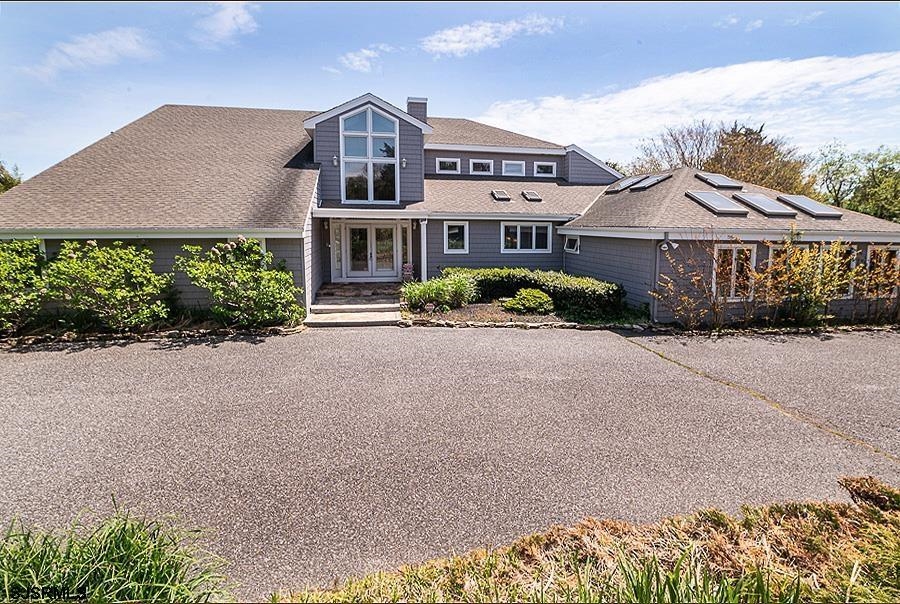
{"x": 599, "y": 75}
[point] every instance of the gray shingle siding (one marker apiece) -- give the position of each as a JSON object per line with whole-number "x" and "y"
{"x": 409, "y": 146}
{"x": 628, "y": 262}
{"x": 291, "y": 252}
{"x": 583, "y": 171}
{"x": 484, "y": 249}
{"x": 464, "y": 157}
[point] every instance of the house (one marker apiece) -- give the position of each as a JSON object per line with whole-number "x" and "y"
{"x": 354, "y": 193}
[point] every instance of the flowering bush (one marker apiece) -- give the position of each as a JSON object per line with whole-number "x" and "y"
{"x": 244, "y": 286}
{"x": 21, "y": 284}
{"x": 114, "y": 284}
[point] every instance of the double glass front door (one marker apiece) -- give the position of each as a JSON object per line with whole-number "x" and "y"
{"x": 372, "y": 250}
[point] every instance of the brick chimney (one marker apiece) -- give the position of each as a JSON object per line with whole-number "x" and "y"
{"x": 418, "y": 108}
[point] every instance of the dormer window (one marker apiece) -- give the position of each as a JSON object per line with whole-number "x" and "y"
{"x": 513, "y": 168}
{"x": 446, "y": 165}
{"x": 369, "y": 157}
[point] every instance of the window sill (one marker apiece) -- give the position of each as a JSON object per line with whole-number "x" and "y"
{"x": 502, "y": 251}
{"x": 369, "y": 203}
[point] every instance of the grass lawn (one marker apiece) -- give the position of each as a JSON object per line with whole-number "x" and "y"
{"x": 822, "y": 552}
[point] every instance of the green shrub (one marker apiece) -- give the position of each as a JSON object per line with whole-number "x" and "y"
{"x": 530, "y": 300}
{"x": 122, "y": 559}
{"x": 447, "y": 292}
{"x": 244, "y": 286}
{"x": 115, "y": 284}
{"x": 582, "y": 298}
{"x": 21, "y": 284}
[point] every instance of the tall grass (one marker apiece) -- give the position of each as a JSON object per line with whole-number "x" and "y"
{"x": 122, "y": 557}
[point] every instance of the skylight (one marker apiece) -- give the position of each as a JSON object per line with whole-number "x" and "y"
{"x": 810, "y": 206}
{"x": 648, "y": 182}
{"x": 717, "y": 203}
{"x": 531, "y": 196}
{"x": 718, "y": 180}
{"x": 500, "y": 195}
{"x": 625, "y": 183}
{"x": 765, "y": 205}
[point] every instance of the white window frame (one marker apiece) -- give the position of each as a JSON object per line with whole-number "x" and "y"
{"x": 544, "y": 163}
{"x": 715, "y": 268}
{"x": 465, "y": 225}
{"x": 896, "y": 250}
{"x": 519, "y": 226}
{"x": 437, "y": 165}
{"x": 577, "y": 248}
{"x": 507, "y": 163}
{"x": 481, "y": 161}
{"x": 370, "y": 160}
{"x": 854, "y": 249}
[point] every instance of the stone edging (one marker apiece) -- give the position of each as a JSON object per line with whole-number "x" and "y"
{"x": 648, "y": 327}
{"x": 72, "y": 337}
{"x": 519, "y": 325}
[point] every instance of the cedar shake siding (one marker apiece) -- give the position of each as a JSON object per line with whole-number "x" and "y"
{"x": 581, "y": 170}
{"x": 409, "y": 146}
{"x": 628, "y": 262}
{"x": 484, "y": 249}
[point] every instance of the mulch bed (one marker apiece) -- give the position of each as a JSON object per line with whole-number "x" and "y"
{"x": 487, "y": 312}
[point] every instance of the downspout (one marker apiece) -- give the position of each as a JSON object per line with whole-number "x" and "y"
{"x": 423, "y": 238}
{"x": 653, "y": 300}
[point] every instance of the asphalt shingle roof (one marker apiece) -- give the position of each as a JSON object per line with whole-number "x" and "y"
{"x": 177, "y": 167}
{"x": 473, "y": 196}
{"x": 458, "y": 131}
{"x": 665, "y": 205}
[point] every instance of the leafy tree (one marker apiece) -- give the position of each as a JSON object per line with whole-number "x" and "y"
{"x": 678, "y": 146}
{"x": 747, "y": 154}
{"x": 877, "y": 191}
{"x": 114, "y": 283}
{"x": 8, "y": 177}
{"x": 246, "y": 289}
{"x": 837, "y": 172}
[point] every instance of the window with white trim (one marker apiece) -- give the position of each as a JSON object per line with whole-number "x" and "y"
{"x": 513, "y": 168}
{"x": 369, "y": 157}
{"x": 526, "y": 237}
{"x": 883, "y": 262}
{"x": 481, "y": 166}
{"x": 843, "y": 267}
{"x": 546, "y": 169}
{"x": 572, "y": 244}
{"x": 456, "y": 237}
{"x": 732, "y": 276}
{"x": 446, "y": 165}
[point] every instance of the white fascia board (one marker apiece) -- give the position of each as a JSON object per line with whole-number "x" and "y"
{"x": 504, "y": 216}
{"x": 719, "y": 234}
{"x": 493, "y": 149}
{"x": 150, "y": 233}
{"x": 594, "y": 160}
{"x": 364, "y": 213}
{"x": 366, "y": 99}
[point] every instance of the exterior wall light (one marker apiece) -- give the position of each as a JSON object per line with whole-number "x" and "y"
{"x": 334, "y": 161}
{"x": 403, "y": 163}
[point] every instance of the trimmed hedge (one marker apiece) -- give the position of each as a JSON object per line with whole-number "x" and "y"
{"x": 446, "y": 292}
{"x": 582, "y": 297}
{"x": 530, "y": 300}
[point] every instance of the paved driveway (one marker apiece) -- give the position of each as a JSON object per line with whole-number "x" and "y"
{"x": 337, "y": 452}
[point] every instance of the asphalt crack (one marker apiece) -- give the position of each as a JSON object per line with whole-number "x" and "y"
{"x": 785, "y": 410}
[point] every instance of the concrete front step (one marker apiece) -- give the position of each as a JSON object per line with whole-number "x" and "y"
{"x": 353, "y": 319}
{"x": 367, "y": 301}
{"x": 355, "y": 307}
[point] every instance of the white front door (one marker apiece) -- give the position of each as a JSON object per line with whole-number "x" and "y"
{"x": 371, "y": 251}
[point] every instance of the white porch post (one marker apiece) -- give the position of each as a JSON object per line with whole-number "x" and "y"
{"x": 423, "y": 227}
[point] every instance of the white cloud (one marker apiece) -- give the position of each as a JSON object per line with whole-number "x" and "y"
{"x": 726, "y": 22}
{"x": 331, "y": 70}
{"x": 752, "y": 25}
{"x": 804, "y": 19}
{"x": 224, "y": 23}
{"x": 811, "y": 101}
{"x": 480, "y": 35}
{"x": 364, "y": 60}
{"x": 91, "y": 50}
